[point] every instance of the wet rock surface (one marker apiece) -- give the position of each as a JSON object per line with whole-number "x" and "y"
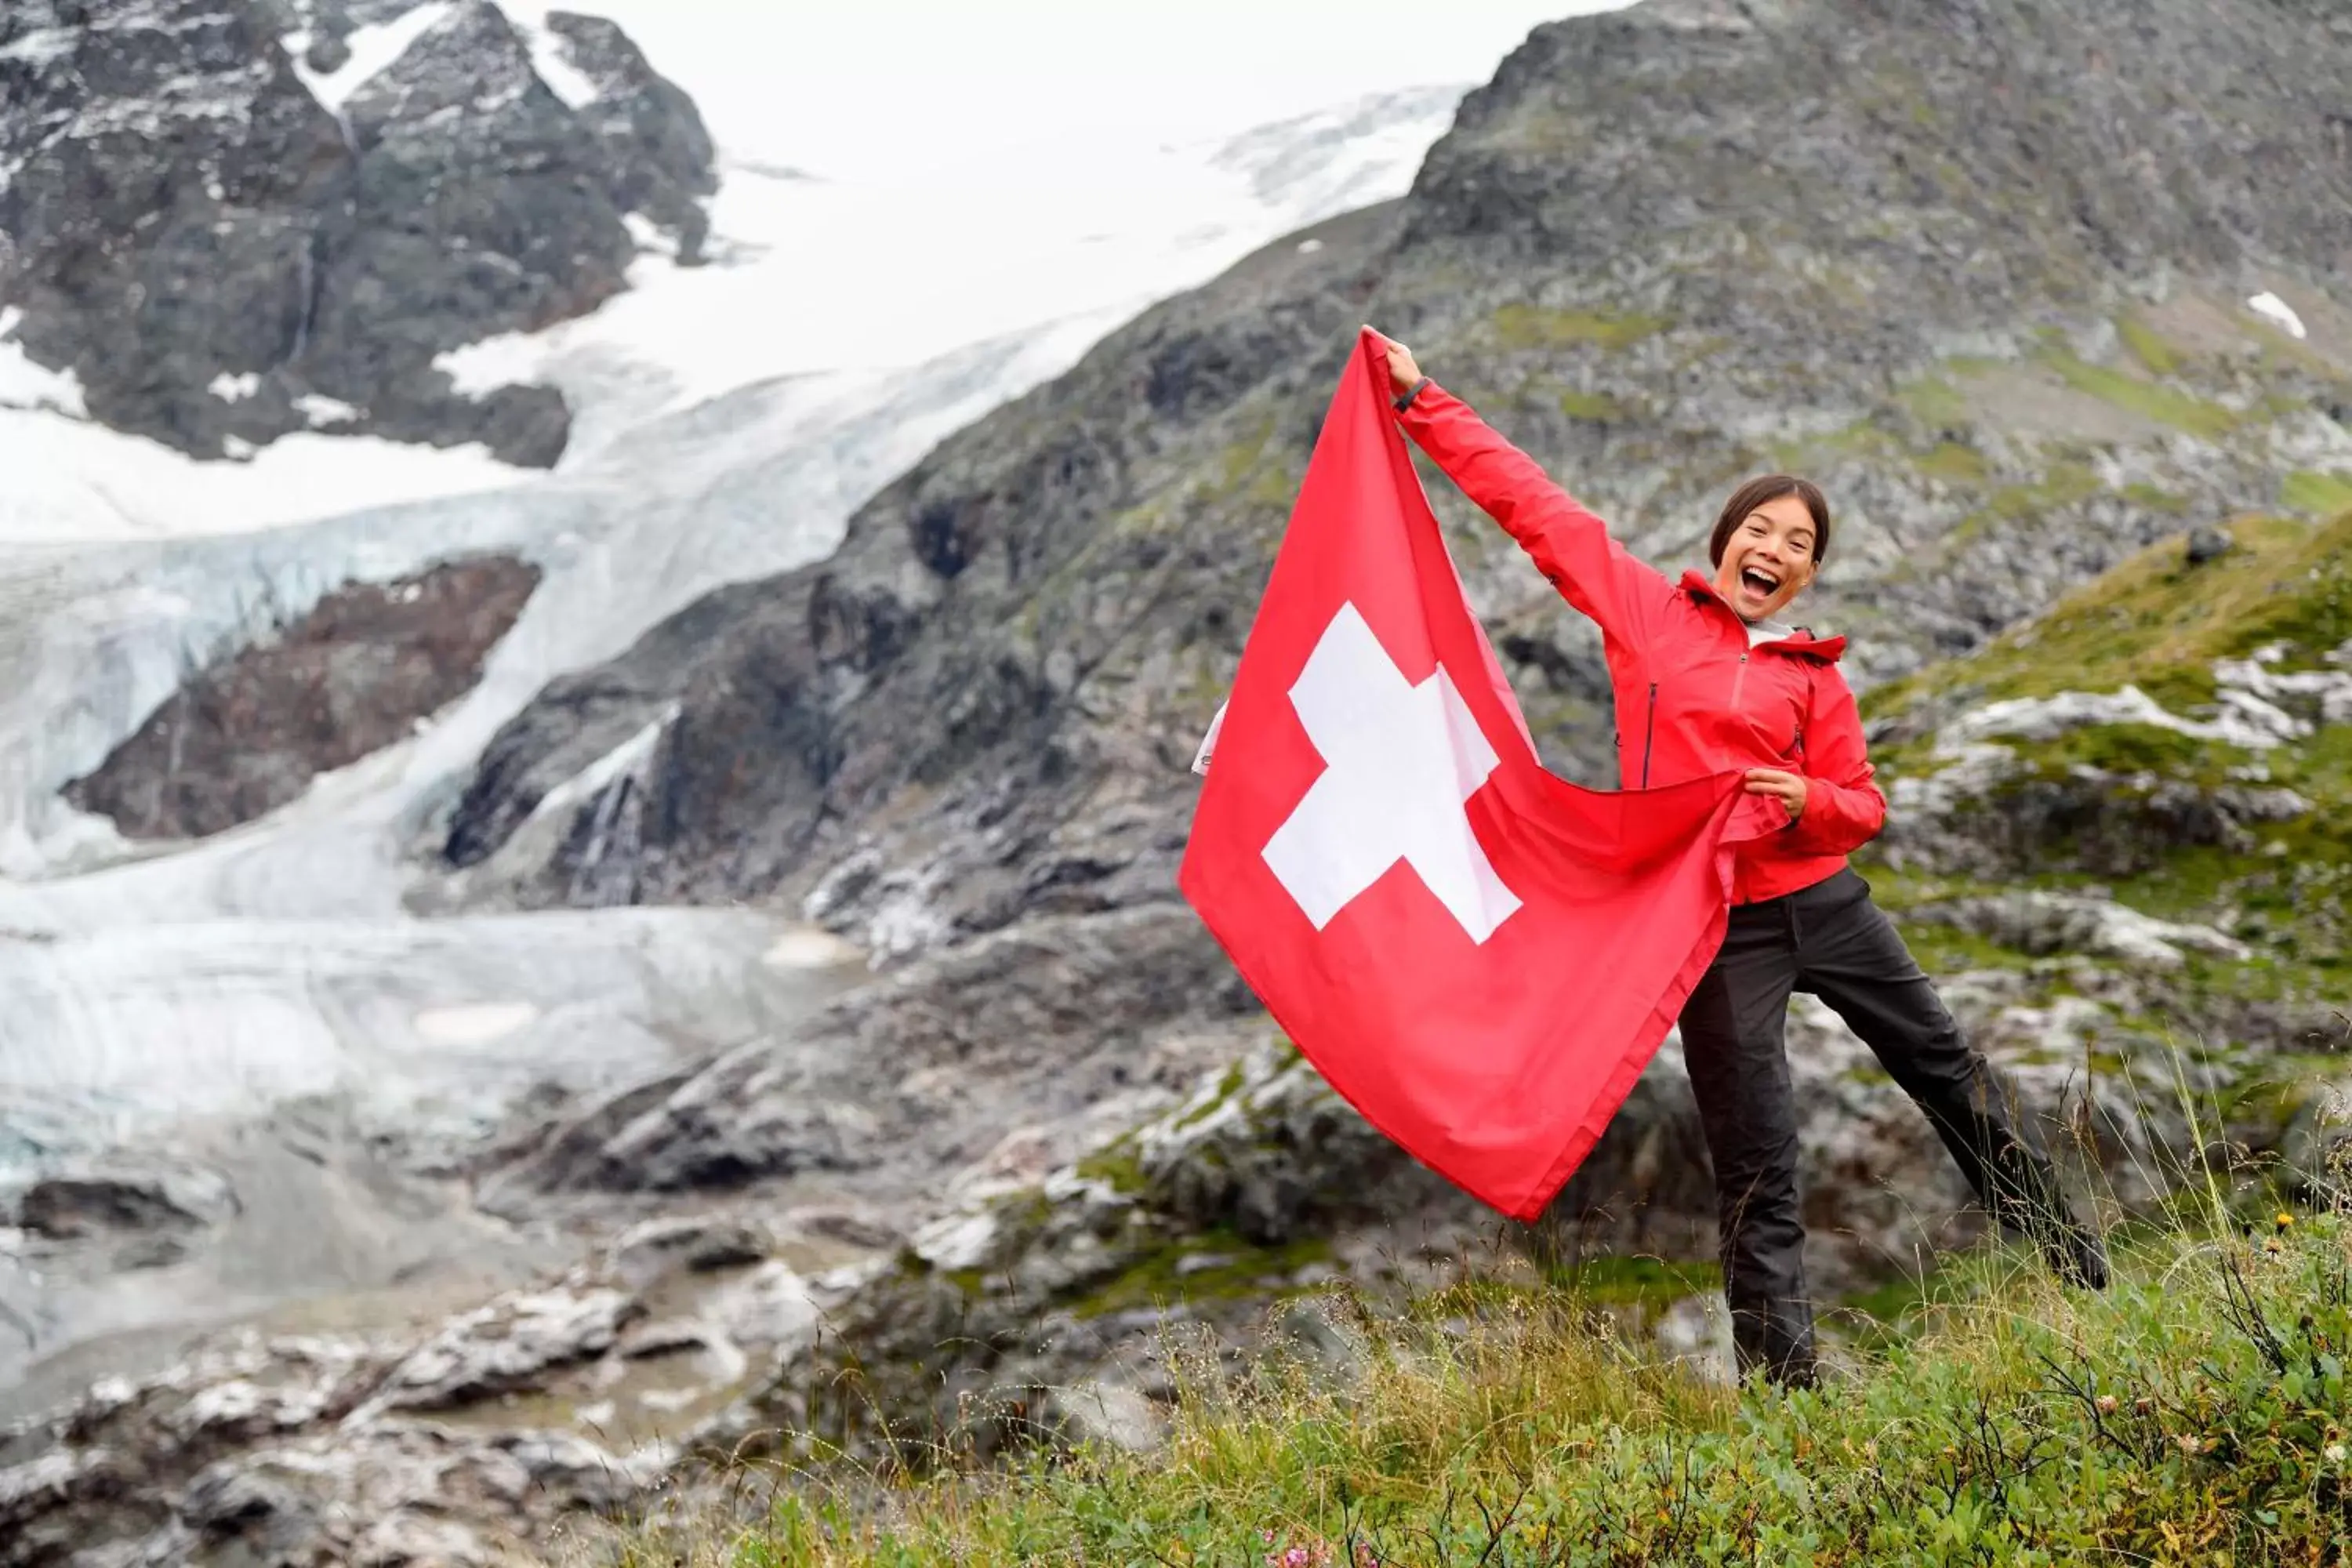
{"x": 247, "y": 732}
{"x": 223, "y": 252}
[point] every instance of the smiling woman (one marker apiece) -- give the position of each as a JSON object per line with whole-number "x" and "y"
{"x": 1706, "y": 680}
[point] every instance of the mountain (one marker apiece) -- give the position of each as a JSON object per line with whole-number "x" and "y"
{"x": 1664, "y": 247}
{"x": 229, "y": 222}
{"x": 2054, "y": 301}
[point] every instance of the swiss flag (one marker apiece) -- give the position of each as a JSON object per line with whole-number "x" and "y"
{"x": 1479, "y": 957}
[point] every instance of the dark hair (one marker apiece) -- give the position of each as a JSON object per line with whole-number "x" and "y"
{"x": 1769, "y": 487}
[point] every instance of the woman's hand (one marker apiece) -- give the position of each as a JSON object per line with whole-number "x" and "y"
{"x": 1789, "y": 789}
{"x": 1403, "y": 370}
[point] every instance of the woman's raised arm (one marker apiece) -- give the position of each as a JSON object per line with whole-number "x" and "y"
{"x": 1568, "y": 544}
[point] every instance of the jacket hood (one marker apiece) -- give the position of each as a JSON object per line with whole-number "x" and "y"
{"x": 1828, "y": 650}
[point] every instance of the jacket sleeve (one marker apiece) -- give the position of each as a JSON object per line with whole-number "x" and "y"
{"x": 1569, "y": 546}
{"x": 1843, "y": 808}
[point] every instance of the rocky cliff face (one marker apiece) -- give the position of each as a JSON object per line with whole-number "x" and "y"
{"x": 2006, "y": 325}
{"x": 247, "y": 731}
{"x": 239, "y": 218}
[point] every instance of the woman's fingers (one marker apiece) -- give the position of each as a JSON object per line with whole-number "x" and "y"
{"x": 1403, "y": 370}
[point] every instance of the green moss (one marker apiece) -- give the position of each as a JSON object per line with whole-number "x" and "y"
{"x": 2159, "y": 622}
{"x": 2317, "y": 493}
{"x": 1948, "y": 950}
{"x": 2134, "y": 749}
{"x": 2147, "y": 346}
{"x": 2151, "y": 499}
{"x": 2149, "y": 400}
{"x": 1954, "y": 463}
{"x": 1217, "y": 1265}
{"x": 1233, "y": 1081}
{"x": 1595, "y": 407}
{"x": 1617, "y": 1280}
{"x": 1117, "y": 1168}
{"x": 1537, "y": 327}
{"x": 1236, "y": 464}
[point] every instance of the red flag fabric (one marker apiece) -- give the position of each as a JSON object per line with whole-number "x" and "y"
{"x": 1478, "y": 955}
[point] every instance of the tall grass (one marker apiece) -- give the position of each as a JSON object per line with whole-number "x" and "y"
{"x": 2196, "y": 1411}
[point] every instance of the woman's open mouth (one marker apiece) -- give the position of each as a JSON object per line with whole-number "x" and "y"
{"x": 1759, "y": 582}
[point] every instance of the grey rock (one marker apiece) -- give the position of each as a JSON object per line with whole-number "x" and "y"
{"x": 179, "y": 207}
{"x": 248, "y": 731}
{"x": 117, "y": 1198}
{"x": 2045, "y": 924}
{"x": 2207, "y": 544}
{"x": 698, "y": 1244}
{"x": 507, "y": 1345}
{"x": 1100, "y": 1414}
{"x": 327, "y": 53}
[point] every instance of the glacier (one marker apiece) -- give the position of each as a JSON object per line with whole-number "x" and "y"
{"x": 729, "y": 419}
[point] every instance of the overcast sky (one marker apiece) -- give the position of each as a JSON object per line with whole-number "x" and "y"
{"x": 854, "y": 89}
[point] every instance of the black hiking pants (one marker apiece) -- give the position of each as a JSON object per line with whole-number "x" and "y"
{"x": 1830, "y": 941}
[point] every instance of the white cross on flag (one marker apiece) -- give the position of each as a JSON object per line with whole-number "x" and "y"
{"x": 1480, "y": 956}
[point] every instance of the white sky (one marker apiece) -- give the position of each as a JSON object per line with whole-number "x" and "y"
{"x": 879, "y": 89}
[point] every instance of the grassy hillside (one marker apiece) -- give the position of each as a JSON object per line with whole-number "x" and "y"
{"x": 2116, "y": 805}
{"x": 2195, "y": 1412}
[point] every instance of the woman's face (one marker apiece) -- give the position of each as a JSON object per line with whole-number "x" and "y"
{"x": 1767, "y": 559}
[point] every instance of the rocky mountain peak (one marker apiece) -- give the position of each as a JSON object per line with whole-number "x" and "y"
{"x": 233, "y": 221}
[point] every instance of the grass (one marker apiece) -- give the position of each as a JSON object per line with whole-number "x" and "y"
{"x": 2147, "y": 346}
{"x": 1539, "y": 327}
{"x": 2147, "y": 399}
{"x": 2196, "y": 1411}
{"x": 2156, "y": 621}
{"x": 1212, "y": 1266}
{"x": 1593, "y": 407}
{"x": 2317, "y": 493}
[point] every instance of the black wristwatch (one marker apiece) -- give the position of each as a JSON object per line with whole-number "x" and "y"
{"x": 1405, "y": 400}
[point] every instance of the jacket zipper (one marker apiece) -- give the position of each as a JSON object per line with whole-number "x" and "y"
{"x": 1649, "y": 734}
{"x": 1738, "y": 681}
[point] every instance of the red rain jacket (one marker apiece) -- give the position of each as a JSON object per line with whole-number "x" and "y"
{"x": 1692, "y": 699}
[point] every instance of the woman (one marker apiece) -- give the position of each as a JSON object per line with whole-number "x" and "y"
{"x": 1707, "y": 678}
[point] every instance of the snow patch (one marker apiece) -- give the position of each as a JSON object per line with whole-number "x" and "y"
{"x": 2268, "y": 304}
{"x": 811, "y": 948}
{"x": 597, "y": 776}
{"x": 1087, "y": 234}
{"x": 319, "y": 409}
{"x": 69, "y": 480}
{"x": 648, "y": 235}
{"x": 476, "y": 1024}
{"x": 41, "y": 45}
{"x": 551, "y": 56}
{"x": 373, "y": 50}
{"x": 235, "y": 388}
{"x": 24, "y": 385}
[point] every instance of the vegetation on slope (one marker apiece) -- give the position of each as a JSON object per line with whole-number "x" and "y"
{"x": 2197, "y": 1412}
